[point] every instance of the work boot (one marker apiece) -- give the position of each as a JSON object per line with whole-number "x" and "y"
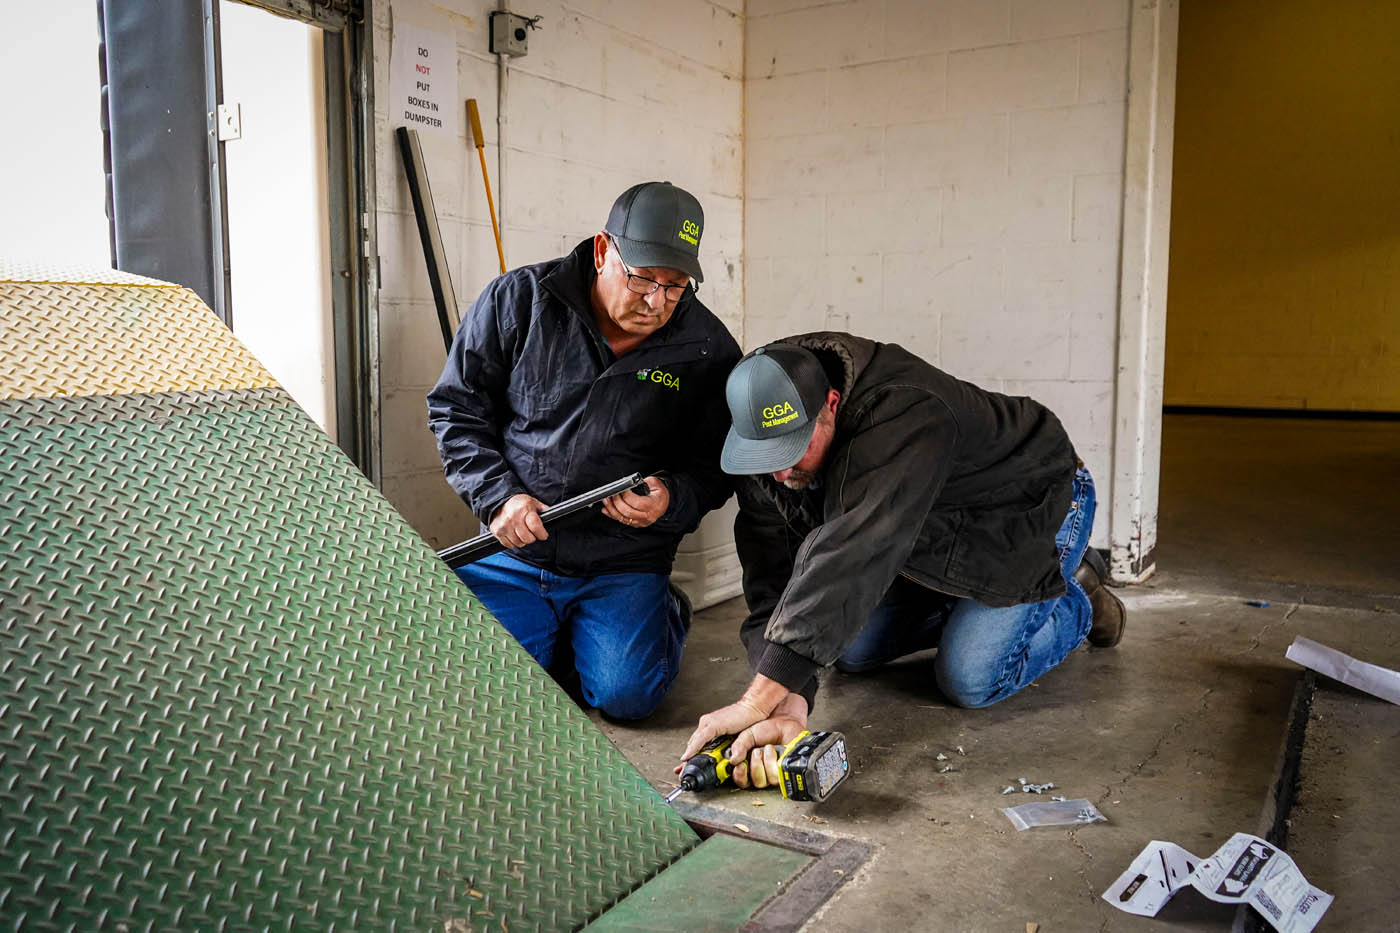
{"x": 1109, "y": 615}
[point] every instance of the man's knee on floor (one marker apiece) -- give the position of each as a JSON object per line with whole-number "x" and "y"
{"x": 966, "y": 689}
{"x": 621, "y": 699}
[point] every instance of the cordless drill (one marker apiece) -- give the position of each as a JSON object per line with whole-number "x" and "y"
{"x": 809, "y": 768}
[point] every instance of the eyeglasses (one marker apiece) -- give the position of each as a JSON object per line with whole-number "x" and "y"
{"x": 641, "y": 285}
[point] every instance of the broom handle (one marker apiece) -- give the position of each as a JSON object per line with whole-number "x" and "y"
{"x": 475, "y": 117}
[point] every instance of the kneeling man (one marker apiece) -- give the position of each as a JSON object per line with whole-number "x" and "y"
{"x": 887, "y": 507}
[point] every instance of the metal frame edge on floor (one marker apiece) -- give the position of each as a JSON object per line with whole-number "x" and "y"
{"x": 835, "y": 861}
{"x": 1278, "y": 804}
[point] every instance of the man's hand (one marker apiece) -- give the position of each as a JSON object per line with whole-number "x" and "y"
{"x": 750, "y": 725}
{"x": 769, "y": 738}
{"x": 518, "y": 523}
{"x": 727, "y": 720}
{"x": 639, "y": 511}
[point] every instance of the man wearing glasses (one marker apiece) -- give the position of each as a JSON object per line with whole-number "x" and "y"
{"x": 565, "y": 376}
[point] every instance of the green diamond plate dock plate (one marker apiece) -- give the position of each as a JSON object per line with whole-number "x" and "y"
{"x": 238, "y": 692}
{"x": 716, "y": 888}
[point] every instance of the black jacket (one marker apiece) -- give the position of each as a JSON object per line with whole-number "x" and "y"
{"x": 533, "y": 400}
{"x": 956, "y": 488}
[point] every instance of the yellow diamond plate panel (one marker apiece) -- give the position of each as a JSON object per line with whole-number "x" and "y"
{"x": 20, "y": 270}
{"x": 61, "y": 340}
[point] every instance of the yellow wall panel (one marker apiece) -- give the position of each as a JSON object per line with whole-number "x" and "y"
{"x": 1284, "y": 288}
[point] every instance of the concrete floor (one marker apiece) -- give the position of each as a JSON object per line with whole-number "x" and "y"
{"x": 1343, "y": 818}
{"x": 1174, "y": 734}
{"x": 1281, "y": 509}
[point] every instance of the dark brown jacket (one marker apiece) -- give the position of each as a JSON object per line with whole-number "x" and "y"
{"x": 956, "y": 488}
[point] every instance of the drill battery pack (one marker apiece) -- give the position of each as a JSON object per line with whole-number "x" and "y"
{"x": 813, "y": 765}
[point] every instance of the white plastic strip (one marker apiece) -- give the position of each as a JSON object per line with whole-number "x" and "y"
{"x": 1377, "y": 681}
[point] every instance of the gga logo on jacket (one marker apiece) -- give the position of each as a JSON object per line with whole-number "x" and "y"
{"x": 660, "y": 378}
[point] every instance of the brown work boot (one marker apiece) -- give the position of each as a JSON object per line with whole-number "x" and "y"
{"x": 1109, "y": 612}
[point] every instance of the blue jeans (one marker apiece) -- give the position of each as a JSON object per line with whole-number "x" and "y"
{"x": 985, "y": 654}
{"x": 626, "y": 630}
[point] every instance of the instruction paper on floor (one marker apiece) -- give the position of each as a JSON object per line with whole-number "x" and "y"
{"x": 1245, "y": 870}
{"x": 1159, "y": 871}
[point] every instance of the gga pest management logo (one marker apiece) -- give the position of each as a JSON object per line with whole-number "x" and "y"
{"x": 775, "y": 415}
{"x": 660, "y": 378}
{"x": 690, "y": 232}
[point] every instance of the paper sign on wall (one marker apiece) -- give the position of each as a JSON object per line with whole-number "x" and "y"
{"x": 423, "y": 79}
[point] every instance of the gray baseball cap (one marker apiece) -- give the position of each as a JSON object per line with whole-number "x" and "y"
{"x": 774, "y": 394}
{"x": 657, "y": 224}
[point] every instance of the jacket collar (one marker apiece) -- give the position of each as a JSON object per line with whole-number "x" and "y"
{"x": 571, "y": 279}
{"x": 843, "y": 356}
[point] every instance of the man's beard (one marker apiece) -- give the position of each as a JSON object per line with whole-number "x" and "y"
{"x": 799, "y": 479}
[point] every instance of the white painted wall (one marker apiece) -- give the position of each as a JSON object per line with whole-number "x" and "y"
{"x": 947, "y": 175}
{"x": 612, "y": 92}
{"x": 52, "y": 191}
{"x": 278, "y": 203}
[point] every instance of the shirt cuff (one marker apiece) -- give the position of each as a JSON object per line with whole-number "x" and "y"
{"x": 809, "y": 693}
{"x": 787, "y": 667}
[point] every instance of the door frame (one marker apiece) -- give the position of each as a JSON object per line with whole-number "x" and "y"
{"x": 167, "y": 192}
{"x": 1142, "y": 293}
{"x": 349, "y": 86}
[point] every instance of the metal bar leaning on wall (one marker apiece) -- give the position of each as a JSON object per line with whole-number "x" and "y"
{"x": 439, "y": 273}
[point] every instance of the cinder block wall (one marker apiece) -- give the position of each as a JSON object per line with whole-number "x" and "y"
{"x": 1285, "y": 251}
{"x": 612, "y": 92}
{"x": 947, "y": 175}
{"x": 943, "y": 174}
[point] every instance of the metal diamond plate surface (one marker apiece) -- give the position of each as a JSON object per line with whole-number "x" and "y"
{"x": 69, "y": 340}
{"x": 238, "y": 692}
{"x": 19, "y": 270}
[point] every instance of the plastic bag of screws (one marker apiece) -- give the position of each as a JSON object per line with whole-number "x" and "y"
{"x": 1053, "y": 813}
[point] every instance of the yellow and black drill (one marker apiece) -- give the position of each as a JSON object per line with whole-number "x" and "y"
{"x": 810, "y": 767}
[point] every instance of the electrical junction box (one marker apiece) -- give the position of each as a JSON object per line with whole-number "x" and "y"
{"x": 508, "y": 33}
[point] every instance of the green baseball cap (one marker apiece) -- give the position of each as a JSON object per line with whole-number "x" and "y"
{"x": 774, "y": 394}
{"x": 657, "y": 224}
